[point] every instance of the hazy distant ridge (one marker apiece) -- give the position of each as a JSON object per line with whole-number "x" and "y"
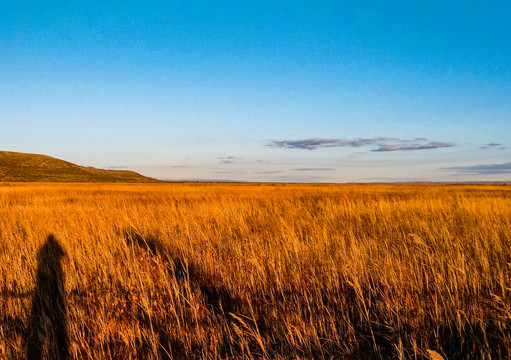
{"x": 16, "y": 166}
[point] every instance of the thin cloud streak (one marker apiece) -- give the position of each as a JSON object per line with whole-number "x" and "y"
{"x": 489, "y": 169}
{"x": 382, "y": 144}
{"x": 227, "y": 157}
{"x": 270, "y": 172}
{"x": 413, "y": 146}
{"x": 493, "y": 146}
{"x": 313, "y": 169}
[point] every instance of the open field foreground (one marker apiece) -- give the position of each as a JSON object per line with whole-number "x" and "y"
{"x": 247, "y": 271}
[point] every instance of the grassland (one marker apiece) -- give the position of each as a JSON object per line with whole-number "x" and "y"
{"x": 205, "y": 271}
{"x": 23, "y": 167}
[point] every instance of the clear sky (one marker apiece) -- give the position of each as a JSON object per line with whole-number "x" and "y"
{"x": 319, "y": 91}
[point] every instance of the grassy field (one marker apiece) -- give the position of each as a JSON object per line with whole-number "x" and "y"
{"x": 23, "y": 167}
{"x": 247, "y": 271}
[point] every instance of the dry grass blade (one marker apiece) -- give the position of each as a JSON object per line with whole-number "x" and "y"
{"x": 433, "y": 355}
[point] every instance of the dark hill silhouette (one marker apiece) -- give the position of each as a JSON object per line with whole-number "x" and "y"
{"x": 16, "y": 166}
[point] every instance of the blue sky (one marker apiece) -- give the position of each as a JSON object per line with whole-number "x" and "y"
{"x": 319, "y": 91}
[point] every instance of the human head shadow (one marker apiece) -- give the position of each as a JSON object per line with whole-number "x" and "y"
{"x": 47, "y": 336}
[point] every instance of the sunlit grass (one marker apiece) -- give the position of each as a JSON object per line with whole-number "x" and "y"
{"x": 213, "y": 271}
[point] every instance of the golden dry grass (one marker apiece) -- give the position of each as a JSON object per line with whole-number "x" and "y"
{"x": 212, "y": 271}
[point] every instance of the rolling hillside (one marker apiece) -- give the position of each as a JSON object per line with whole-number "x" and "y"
{"x": 16, "y": 166}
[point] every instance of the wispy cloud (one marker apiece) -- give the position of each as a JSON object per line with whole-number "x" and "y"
{"x": 379, "y": 144}
{"x": 227, "y": 159}
{"x": 493, "y": 146}
{"x": 489, "y": 169}
{"x": 269, "y": 172}
{"x": 313, "y": 169}
{"x": 413, "y": 146}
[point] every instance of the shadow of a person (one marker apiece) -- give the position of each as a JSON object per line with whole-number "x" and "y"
{"x": 47, "y": 334}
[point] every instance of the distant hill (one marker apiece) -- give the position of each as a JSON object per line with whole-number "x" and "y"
{"x": 16, "y": 166}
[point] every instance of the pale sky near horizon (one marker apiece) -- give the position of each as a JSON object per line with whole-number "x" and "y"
{"x": 312, "y": 91}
